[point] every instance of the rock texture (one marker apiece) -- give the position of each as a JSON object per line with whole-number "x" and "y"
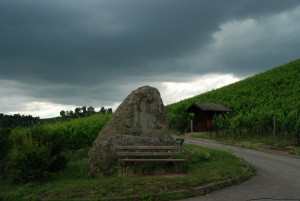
{"x": 140, "y": 120}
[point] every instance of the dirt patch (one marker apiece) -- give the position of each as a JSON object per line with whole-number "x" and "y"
{"x": 285, "y": 149}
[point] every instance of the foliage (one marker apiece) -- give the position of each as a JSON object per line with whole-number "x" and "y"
{"x": 17, "y": 120}
{"x": 267, "y": 103}
{"x": 193, "y": 154}
{"x": 36, "y": 151}
{"x": 84, "y": 112}
{"x": 146, "y": 197}
{"x": 222, "y": 123}
{"x": 73, "y": 183}
{"x": 35, "y": 154}
{"x": 5, "y": 145}
{"x": 296, "y": 151}
{"x": 179, "y": 118}
{"x": 29, "y": 161}
{"x": 79, "y": 133}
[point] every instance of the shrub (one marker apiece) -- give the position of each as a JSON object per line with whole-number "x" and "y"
{"x": 29, "y": 161}
{"x": 36, "y": 154}
{"x": 5, "y": 145}
{"x": 179, "y": 118}
{"x": 81, "y": 132}
{"x": 296, "y": 151}
{"x": 194, "y": 154}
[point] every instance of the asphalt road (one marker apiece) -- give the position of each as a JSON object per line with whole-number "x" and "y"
{"x": 277, "y": 176}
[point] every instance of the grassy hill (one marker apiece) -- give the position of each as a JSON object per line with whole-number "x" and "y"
{"x": 255, "y": 102}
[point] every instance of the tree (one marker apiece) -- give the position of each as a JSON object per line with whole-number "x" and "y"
{"x": 179, "y": 118}
{"x": 83, "y": 109}
{"x": 69, "y": 113}
{"x": 102, "y": 110}
{"x": 109, "y": 111}
{"x": 77, "y": 112}
{"x": 62, "y": 113}
{"x": 5, "y": 145}
{"x": 16, "y": 120}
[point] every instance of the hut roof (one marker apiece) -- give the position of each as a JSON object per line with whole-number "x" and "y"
{"x": 208, "y": 107}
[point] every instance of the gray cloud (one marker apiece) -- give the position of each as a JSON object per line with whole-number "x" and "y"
{"x": 71, "y": 52}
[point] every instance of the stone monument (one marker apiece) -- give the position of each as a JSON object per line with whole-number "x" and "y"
{"x": 140, "y": 120}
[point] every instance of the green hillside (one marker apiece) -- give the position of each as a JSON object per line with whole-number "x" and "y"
{"x": 255, "y": 102}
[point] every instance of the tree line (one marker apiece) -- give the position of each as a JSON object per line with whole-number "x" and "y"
{"x": 84, "y": 112}
{"x": 17, "y": 120}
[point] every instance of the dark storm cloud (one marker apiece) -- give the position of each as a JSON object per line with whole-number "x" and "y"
{"x": 63, "y": 48}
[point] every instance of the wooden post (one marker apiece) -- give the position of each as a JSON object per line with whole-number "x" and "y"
{"x": 274, "y": 127}
{"x": 191, "y": 126}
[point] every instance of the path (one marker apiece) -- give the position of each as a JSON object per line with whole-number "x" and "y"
{"x": 277, "y": 176}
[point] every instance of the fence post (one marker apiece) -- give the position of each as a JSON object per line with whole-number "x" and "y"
{"x": 274, "y": 127}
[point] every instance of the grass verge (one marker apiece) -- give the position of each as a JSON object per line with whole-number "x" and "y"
{"x": 72, "y": 183}
{"x": 254, "y": 141}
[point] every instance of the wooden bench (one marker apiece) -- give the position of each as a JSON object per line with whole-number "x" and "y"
{"x": 136, "y": 154}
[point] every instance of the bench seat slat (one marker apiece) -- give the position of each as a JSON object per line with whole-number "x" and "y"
{"x": 147, "y": 153}
{"x": 136, "y": 154}
{"x": 151, "y": 160}
{"x": 147, "y": 147}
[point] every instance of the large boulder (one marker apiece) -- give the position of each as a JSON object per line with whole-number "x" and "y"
{"x": 140, "y": 120}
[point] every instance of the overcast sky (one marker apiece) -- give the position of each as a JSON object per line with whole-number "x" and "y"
{"x": 60, "y": 54}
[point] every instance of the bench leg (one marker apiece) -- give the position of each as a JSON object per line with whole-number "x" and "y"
{"x": 130, "y": 169}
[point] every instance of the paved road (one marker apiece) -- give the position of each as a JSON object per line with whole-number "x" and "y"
{"x": 277, "y": 176}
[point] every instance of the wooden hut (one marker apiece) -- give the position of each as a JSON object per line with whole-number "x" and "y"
{"x": 203, "y": 115}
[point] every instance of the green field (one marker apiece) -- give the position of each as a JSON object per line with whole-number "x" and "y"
{"x": 80, "y": 132}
